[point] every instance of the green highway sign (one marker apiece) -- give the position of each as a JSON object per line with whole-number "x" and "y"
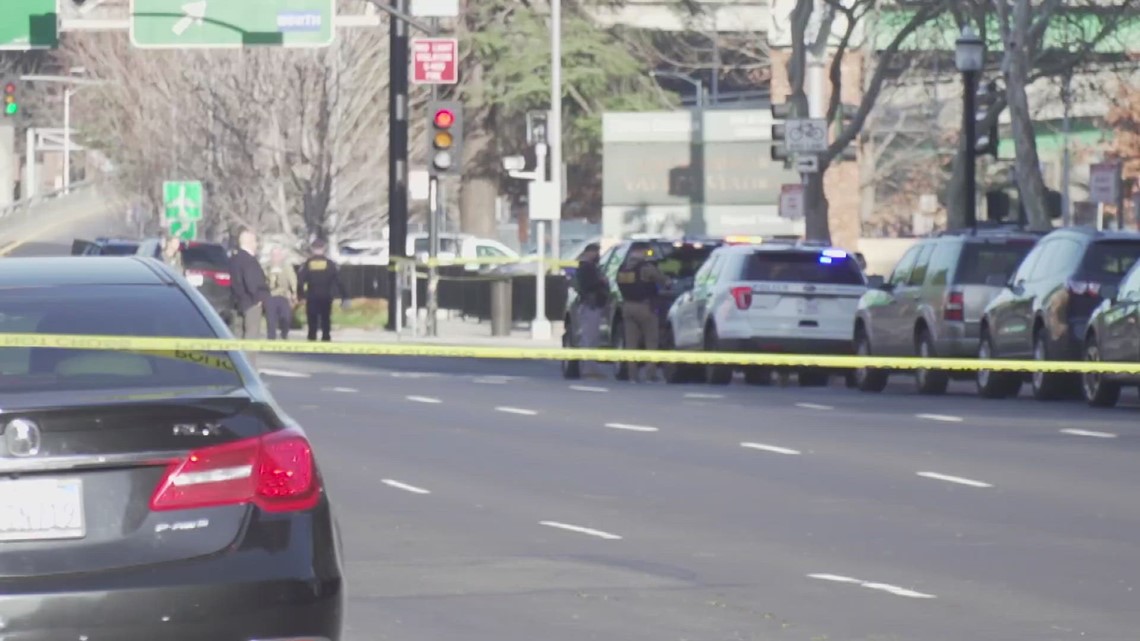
{"x": 184, "y": 230}
{"x": 182, "y": 201}
{"x": 214, "y": 24}
{"x": 29, "y": 24}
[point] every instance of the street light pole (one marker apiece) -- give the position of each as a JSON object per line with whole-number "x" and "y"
{"x": 969, "y": 57}
{"x": 540, "y": 328}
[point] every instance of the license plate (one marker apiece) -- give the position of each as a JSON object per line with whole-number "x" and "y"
{"x": 809, "y": 307}
{"x": 41, "y": 509}
{"x": 196, "y": 279}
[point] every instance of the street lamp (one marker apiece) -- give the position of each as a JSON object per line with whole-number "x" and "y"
{"x": 970, "y": 58}
{"x": 697, "y": 84}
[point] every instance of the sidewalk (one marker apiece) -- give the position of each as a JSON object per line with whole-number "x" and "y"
{"x": 452, "y": 331}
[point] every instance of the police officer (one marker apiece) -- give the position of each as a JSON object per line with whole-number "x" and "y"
{"x": 319, "y": 283}
{"x": 172, "y": 254}
{"x": 638, "y": 280}
{"x": 593, "y": 292}
{"x": 282, "y": 294}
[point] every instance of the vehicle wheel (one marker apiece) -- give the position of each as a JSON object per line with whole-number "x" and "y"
{"x": 1098, "y": 391}
{"x": 758, "y": 375}
{"x": 715, "y": 374}
{"x": 617, "y": 339}
{"x": 929, "y": 381}
{"x": 867, "y": 379}
{"x": 1046, "y": 386}
{"x": 849, "y": 380}
{"x": 813, "y": 378}
{"x": 992, "y": 384}
{"x": 674, "y": 373}
{"x": 571, "y": 370}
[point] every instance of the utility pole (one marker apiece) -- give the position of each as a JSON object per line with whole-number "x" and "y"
{"x": 540, "y": 328}
{"x": 436, "y": 207}
{"x": 397, "y": 151}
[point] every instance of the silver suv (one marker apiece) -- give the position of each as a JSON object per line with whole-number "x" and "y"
{"x": 932, "y": 303}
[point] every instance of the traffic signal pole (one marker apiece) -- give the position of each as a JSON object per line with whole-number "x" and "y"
{"x": 397, "y": 152}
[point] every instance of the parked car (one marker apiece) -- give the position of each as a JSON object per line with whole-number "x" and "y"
{"x": 105, "y": 247}
{"x": 1043, "y": 311}
{"x": 462, "y": 246}
{"x": 207, "y": 267}
{"x": 151, "y": 495}
{"x": 1113, "y": 336}
{"x": 679, "y": 259}
{"x": 932, "y": 303}
{"x": 768, "y": 298}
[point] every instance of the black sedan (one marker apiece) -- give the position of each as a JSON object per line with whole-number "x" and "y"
{"x": 1113, "y": 337}
{"x": 157, "y": 495}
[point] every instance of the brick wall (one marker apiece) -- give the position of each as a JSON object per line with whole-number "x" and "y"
{"x": 841, "y": 183}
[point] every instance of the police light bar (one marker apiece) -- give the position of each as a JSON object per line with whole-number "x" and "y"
{"x": 744, "y": 240}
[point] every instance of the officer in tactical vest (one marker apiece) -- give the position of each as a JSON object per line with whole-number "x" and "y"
{"x": 319, "y": 283}
{"x": 638, "y": 280}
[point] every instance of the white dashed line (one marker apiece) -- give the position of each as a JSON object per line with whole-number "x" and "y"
{"x": 516, "y": 410}
{"x": 703, "y": 395}
{"x": 581, "y": 530}
{"x": 589, "y": 388}
{"x": 492, "y": 380}
{"x": 404, "y": 486}
{"x": 884, "y": 587}
{"x": 343, "y": 390}
{"x": 283, "y": 373}
{"x": 412, "y": 374}
{"x": 953, "y": 479}
{"x": 945, "y": 418}
{"x": 814, "y": 406}
{"x": 423, "y": 399}
{"x": 770, "y": 448}
{"x": 632, "y": 428}
{"x": 1089, "y": 433}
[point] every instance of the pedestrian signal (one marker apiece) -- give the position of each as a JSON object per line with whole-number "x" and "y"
{"x": 445, "y": 130}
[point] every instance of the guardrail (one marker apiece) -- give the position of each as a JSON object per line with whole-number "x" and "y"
{"x": 21, "y": 206}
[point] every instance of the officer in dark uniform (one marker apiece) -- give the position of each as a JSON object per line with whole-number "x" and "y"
{"x": 639, "y": 280}
{"x": 318, "y": 282}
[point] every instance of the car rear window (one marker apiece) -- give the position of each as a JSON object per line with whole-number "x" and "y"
{"x": 118, "y": 249}
{"x": 423, "y": 246}
{"x": 212, "y": 256}
{"x": 683, "y": 261}
{"x": 114, "y": 310}
{"x": 980, "y": 261}
{"x": 802, "y": 267}
{"x": 1110, "y": 259}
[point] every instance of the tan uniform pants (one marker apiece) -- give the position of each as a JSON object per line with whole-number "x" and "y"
{"x": 640, "y": 323}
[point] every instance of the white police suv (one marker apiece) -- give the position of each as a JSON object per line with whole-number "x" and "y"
{"x": 786, "y": 298}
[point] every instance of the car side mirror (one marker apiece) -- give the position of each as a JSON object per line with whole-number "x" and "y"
{"x": 876, "y": 282}
{"x": 1110, "y": 293}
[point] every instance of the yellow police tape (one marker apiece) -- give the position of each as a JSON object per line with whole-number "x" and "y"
{"x": 193, "y": 349}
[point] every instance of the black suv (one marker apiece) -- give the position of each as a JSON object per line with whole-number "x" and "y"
{"x": 105, "y": 247}
{"x": 207, "y": 268}
{"x": 677, "y": 259}
{"x": 1042, "y": 312}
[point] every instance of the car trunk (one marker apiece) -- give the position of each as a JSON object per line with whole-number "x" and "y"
{"x": 80, "y": 469}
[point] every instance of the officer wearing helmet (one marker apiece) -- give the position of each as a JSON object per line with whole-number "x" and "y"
{"x": 638, "y": 280}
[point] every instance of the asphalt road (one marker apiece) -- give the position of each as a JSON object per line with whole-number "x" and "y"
{"x": 492, "y": 500}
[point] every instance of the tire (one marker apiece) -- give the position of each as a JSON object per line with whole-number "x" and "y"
{"x": 617, "y": 339}
{"x": 758, "y": 375}
{"x": 1046, "y": 386}
{"x": 1098, "y": 391}
{"x": 867, "y": 379}
{"x": 674, "y": 373}
{"x": 929, "y": 381}
{"x": 813, "y": 378}
{"x": 994, "y": 384}
{"x": 571, "y": 370}
{"x": 715, "y": 374}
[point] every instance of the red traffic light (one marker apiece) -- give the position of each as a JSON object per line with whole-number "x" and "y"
{"x": 444, "y": 118}
{"x": 10, "y": 87}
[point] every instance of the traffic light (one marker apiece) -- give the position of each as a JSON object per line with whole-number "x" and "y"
{"x": 987, "y": 139}
{"x": 780, "y": 113}
{"x": 445, "y": 138}
{"x": 11, "y": 98}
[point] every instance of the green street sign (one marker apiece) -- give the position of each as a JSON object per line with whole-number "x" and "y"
{"x": 182, "y": 201}
{"x": 29, "y": 24}
{"x": 227, "y": 24}
{"x": 184, "y": 229}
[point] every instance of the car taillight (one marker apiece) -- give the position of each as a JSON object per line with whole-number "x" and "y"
{"x": 1084, "y": 287}
{"x": 276, "y": 472}
{"x": 955, "y": 309}
{"x": 221, "y": 278}
{"x": 742, "y": 296}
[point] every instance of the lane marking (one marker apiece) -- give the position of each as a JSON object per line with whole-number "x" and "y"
{"x": 413, "y": 374}
{"x": 703, "y": 395}
{"x": 404, "y": 486}
{"x": 589, "y": 388}
{"x": 770, "y": 448}
{"x": 884, "y": 587}
{"x": 953, "y": 479}
{"x": 1091, "y": 433}
{"x": 814, "y": 406}
{"x": 581, "y": 530}
{"x": 342, "y": 390}
{"x": 632, "y": 428}
{"x": 488, "y": 380}
{"x": 516, "y": 410}
{"x": 423, "y": 399}
{"x": 945, "y": 418}
{"x": 283, "y": 373}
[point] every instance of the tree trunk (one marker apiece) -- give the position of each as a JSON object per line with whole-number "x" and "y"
{"x": 1030, "y": 185}
{"x": 817, "y": 227}
{"x": 480, "y": 185}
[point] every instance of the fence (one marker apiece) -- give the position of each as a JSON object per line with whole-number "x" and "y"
{"x": 462, "y": 291}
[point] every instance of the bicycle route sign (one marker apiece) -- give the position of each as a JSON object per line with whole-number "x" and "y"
{"x": 806, "y": 135}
